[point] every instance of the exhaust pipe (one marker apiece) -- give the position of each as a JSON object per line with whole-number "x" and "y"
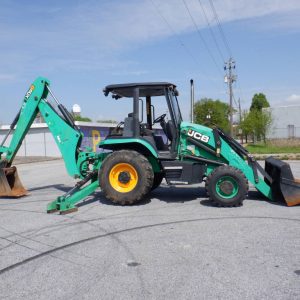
{"x": 192, "y": 100}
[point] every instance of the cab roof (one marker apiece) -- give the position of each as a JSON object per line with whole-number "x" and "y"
{"x": 145, "y": 89}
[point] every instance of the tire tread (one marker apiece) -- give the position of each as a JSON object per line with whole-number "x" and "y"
{"x": 236, "y": 172}
{"x": 142, "y": 189}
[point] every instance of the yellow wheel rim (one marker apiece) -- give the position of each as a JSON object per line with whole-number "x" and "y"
{"x": 123, "y": 177}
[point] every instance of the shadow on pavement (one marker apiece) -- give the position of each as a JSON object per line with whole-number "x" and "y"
{"x": 98, "y": 196}
{"x": 166, "y": 194}
{"x": 257, "y": 196}
{"x": 162, "y": 193}
{"x": 208, "y": 203}
{"x": 252, "y": 196}
{"x": 60, "y": 187}
{"x": 178, "y": 194}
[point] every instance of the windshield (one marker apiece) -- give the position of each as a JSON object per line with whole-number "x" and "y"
{"x": 175, "y": 107}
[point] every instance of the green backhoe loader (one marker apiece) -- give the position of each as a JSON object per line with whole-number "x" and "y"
{"x": 134, "y": 159}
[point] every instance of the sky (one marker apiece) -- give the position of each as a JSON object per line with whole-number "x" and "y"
{"x": 82, "y": 46}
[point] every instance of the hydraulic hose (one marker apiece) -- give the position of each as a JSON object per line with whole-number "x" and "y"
{"x": 12, "y": 126}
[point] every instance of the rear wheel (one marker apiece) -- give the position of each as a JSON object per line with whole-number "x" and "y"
{"x": 227, "y": 186}
{"x": 125, "y": 177}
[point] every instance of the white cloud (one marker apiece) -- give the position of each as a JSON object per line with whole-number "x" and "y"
{"x": 121, "y": 25}
{"x": 231, "y": 10}
{"x": 294, "y": 98}
{"x": 91, "y": 34}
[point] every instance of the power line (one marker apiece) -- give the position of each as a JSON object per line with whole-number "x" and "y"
{"x": 220, "y": 27}
{"x": 240, "y": 91}
{"x": 236, "y": 104}
{"x": 201, "y": 37}
{"x": 211, "y": 31}
{"x": 175, "y": 34}
{"x": 225, "y": 40}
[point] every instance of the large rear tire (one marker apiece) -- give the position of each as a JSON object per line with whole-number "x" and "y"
{"x": 227, "y": 186}
{"x": 125, "y": 177}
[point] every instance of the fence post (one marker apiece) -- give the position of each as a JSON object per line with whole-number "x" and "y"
{"x": 45, "y": 145}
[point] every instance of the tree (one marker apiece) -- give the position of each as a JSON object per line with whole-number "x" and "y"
{"x": 261, "y": 119}
{"x": 259, "y": 101}
{"x": 216, "y": 109}
{"x": 81, "y": 119}
{"x": 256, "y": 123}
{"x": 247, "y": 125}
{"x": 263, "y": 122}
{"x": 106, "y": 121}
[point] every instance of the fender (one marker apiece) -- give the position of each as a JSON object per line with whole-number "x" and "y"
{"x": 113, "y": 144}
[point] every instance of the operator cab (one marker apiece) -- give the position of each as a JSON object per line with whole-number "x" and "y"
{"x": 149, "y": 101}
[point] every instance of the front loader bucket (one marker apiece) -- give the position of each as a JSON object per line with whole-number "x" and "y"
{"x": 284, "y": 186}
{"x": 10, "y": 183}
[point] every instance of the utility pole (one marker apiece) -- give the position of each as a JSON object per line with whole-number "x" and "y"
{"x": 240, "y": 110}
{"x": 240, "y": 114}
{"x": 229, "y": 79}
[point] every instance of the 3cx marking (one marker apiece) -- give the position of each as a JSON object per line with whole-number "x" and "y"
{"x": 29, "y": 91}
{"x": 198, "y": 136}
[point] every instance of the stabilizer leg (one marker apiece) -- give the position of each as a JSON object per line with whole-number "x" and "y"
{"x": 66, "y": 204}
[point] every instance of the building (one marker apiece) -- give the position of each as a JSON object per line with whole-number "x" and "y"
{"x": 40, "y": 142}
{"x": 285, "y": 122}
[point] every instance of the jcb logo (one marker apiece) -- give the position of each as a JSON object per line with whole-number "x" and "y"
{"x": 198, "y": 136}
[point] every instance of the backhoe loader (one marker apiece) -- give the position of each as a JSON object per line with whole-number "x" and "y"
{"x": 133, "y": 159}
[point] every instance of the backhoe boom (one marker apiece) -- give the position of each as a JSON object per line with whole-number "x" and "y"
{"x": 79, "y": 164}
{"x": 66, "y": 137}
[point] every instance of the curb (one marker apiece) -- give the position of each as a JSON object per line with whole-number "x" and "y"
{"x": 19, "y": 160}
{"x": 281, "y": 156}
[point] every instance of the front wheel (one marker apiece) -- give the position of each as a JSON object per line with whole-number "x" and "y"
{"x": 227, "y": 186}
{"x": 125, "y": 177}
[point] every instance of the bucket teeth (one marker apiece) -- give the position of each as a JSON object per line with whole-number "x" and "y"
{"x": 10, "y": 183}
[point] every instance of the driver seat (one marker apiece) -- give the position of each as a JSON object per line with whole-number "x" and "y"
{"x": 169, "y": 131}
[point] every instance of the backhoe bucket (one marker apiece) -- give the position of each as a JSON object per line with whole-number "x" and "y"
{"x": 284, "y": 186}
{"x": 10, "y": 183}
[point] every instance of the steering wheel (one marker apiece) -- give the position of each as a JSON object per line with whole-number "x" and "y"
{"x": 159, "y": 119}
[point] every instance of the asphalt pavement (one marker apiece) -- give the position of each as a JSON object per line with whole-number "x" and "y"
{"x": 172, "y": 245}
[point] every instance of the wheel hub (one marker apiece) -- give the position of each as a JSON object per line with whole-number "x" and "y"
{"x": 124, "y": 177}
{"x": 226, "y": 187}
